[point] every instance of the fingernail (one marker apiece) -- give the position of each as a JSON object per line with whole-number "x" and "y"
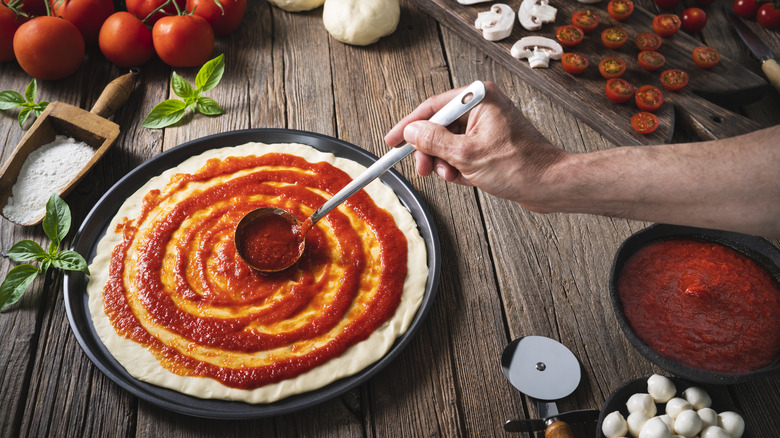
{"x": 410, "y": 133}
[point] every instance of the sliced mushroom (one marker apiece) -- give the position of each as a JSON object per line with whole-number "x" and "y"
{"x": 497, "y": 23}
{"x": 533, "y": 13}
{"x": 538, "y": 50}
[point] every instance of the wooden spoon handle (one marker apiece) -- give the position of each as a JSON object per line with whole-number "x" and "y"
{"x": 559, "y": 429}
{"x": 114, "y": 95}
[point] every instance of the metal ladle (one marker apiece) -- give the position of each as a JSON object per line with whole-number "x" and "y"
{"x": 460, "y": 105}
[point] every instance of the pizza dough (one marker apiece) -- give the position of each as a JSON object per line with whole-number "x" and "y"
{"x": 360, "y": 22}
{"x": 144, "y": 218}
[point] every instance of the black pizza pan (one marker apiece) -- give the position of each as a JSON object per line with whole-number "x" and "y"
{"x": 94, "y": 227}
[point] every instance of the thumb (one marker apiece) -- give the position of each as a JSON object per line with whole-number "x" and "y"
{"x": 429, "y": 138}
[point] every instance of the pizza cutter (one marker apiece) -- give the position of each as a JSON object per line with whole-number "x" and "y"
{"x": 544, "y": 369}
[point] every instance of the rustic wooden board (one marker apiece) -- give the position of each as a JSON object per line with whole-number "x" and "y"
{"x": 583, "y": 95}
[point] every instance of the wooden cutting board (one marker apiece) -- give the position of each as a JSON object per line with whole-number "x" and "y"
{"x": 583, "y": 95}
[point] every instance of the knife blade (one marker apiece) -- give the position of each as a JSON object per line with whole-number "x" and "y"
{"x": 769, "y": 66}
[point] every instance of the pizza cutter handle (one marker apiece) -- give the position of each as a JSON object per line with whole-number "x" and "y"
{"x": 558, "y": 429}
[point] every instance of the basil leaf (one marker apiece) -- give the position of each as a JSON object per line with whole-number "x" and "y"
{"x": 45, "y": 265}
{"x": 23, "y": 115}
{"x": 56, "y": 224}
{"x": 32, "y": 89}
{"x": 210, "y": 74}
{"x": 209, "y": 106}
{"x": 71, "y": 261}
{"x": 25, "y": 251}
{"x": 181, "y": 87}
{"x": 16, "y": 283}
{"x": 165, "y": 114}
{"x": 10, "y": 99}
{"x": 39, "y": 107}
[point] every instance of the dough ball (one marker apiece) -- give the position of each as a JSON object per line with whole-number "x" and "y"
{"x": 687, "y": 424}
{"x": 635, "y": 421}
{"x": 708, "y": 417}
{"x": 677, "y": 405}
{"x": 642, "y": 402}
{"x": 614, "y": 425}
{"x": 714, "y": 432}
{"x": 661, "y": 388}
{"x": 732, "y": 423}
{"x": 697, "y": 397}
{"x": 297, "y": 5}
{"x": 655, "y": 428}
{"x": 360, "y": 22}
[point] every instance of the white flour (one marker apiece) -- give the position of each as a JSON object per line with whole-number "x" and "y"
{"x": 45, "y": 171}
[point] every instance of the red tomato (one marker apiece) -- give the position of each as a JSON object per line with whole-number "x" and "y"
{"x": 674, "y": 79}
{"x": 648, "y": 41}
{"x": 10, "y": 20}
{"x": 619, "y": 90}
{"x": 569, "y": 35}
{"x": 223, "y": 20}
{"x": 49, "y": 48}
{"x": 644, "y": 122}
{"x": 620, "y": 9}
{"x": 667, "y": 4}
{"x": 693, "y": 20}
{"x": 745, "y": 8}
{"x": 574, "y": 63}
{"x": 651, "y": 60}
{"x": 666, "y": 24}
{"x": 125, "y": 40}
{"x": 705, "y": 57}
{"x": 614, "y": 37}
{"x": 86, "y": 15}
{"x": 588, "y": 21}
{"x": 183, "y": 40}
{"x": 648, "y": 98}
{"x": 612, "y": 68}
{"x": 768, "y": 16}
{"x": 142, "y": 9}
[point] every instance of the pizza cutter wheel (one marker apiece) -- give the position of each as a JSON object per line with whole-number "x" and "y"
{"x": 545, "y": 370}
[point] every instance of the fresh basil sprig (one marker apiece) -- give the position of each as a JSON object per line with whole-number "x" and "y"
{"x": 56, "y": 225}
{"x": 171, "y": 111}
{"x": 10, "y": 99}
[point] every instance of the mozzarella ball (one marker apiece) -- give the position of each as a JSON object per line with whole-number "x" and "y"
{"x": 635, "y": 421}
{"x": 677, "y": 405}
{"x": 655, "y": 428}
{"x": 714, "y": 432}
{"x": 661, "y": 388}
{"x": 669, "y": 421}
{"x": 697, "y": 397}
{"x": 732, "y": 423}
{"x": 708, "y": 417}
{"x": 297, "y": 5}
{"x": 614, "y": 425}
{"x": 642, "y": 402}
{"x": 687, "y": 424}
{"x": 360, "y": 22}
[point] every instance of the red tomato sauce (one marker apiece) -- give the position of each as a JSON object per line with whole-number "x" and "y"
{"x": 270, "y": 242}
{"x": 202, "y": 259}
{"x": 702, "y": 304}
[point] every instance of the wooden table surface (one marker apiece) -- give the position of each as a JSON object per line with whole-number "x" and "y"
{"x": 506, "y": 272}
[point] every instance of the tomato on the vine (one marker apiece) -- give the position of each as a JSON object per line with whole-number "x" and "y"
{"x": 569, "y": 35}
{"x": 667, "y": 4}
{"x": 648, "y": 98}
{"x": 224, "y": 19}
{"x": 705, "y": 57}
{"x": 651, "y": 60}
{"x": 619, "y": 90}
{"x": 644, "y": 122}
{"x": 745, "y": 8}
{"x": 620, "y": 9}
{"x": 693, "y": 20}
{"x": 588, "y": 21}
{"x": 33, "y": 8}
{"x": 125, "y": 40}
{"x": 614, "y": 37}
{"x": 574, "y": 63}
{"x": 49, "y": 48}
{"x": 86, "y": 15}
{"x": 674, "y": 79}
{"x": 768, "y": 15}
{"x": 612, "y": 68}
{"x": 142, "y": 9}
{"x": 183, "y": 40}
{"x": 666, "y": 24}
{"x": 10, "y": 20}
{"x": 648, "y": 41}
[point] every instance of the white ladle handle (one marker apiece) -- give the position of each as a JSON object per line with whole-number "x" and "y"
{"x": 460, "y": 105}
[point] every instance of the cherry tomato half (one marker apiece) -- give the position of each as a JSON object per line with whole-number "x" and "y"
{"x": 648, "y": 41}
{"x": 569, "y": 35}
{"x": 588, "y": 21}
{"x": 693, "y": 20}
{"x": 644, "y": 122}
{"x": 667, "y": 4}
{"x": 768, "y": 16}
{"x": 183, "y": 40}
{"x": 224, "y": 17}
{"x": 666, "y": 24}
{"x": 125, "y": 40}
{"x": 619, "y": 90}
{"x": 745, "y": 8}
{"x": 614, "y": 37}
{"x": 49, "y": 48}
{"x": 620, "y": 9}
{"x": 612, "y": 68}
{"x": 651, "y": 60}
{"x": 574, "y": 63}
{"x": 648, "y": 98}
{"x": 705, "y": 57}
{"x": 674, "y": 79}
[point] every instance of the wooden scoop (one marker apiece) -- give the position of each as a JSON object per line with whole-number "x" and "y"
{"x": 90, "y": 127}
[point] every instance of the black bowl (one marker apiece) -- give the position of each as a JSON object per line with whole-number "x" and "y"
{"x": 758, "y": 249}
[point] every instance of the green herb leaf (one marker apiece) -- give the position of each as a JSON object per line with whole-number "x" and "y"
{"x": 56, "y": 223}
{"x": 209, "y": 106}
{"x": 165, "y": 114}
{"x": 16, "y": 283}
{"x": 10, "y": 99}
{"x": 26, "y": 250}
{"x": 71, "y": 261}
{"x": 210, "y": 74}
{"x": 181, "y": 87}
{"x": 23, "y": 115}
{"x": 39, "y": 107}
{"x": 31, "y": 91}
